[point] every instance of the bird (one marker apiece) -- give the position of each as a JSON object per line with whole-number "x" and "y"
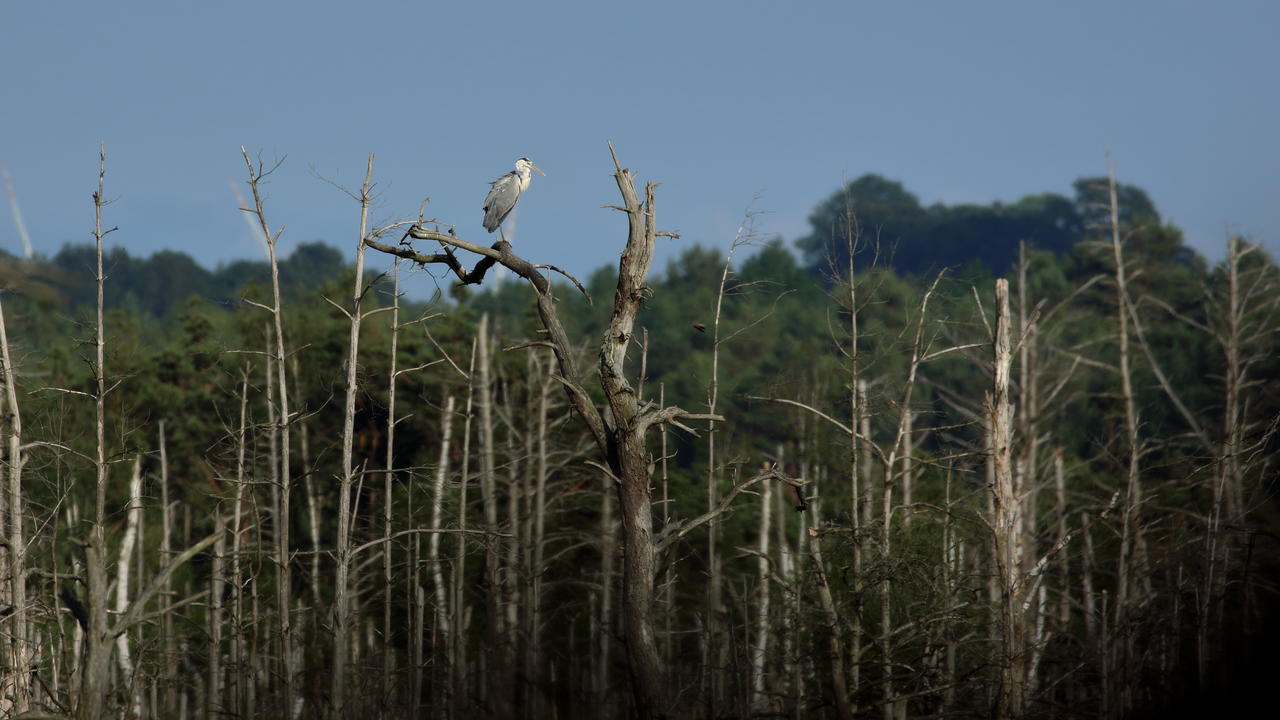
{"x": 797, "y": 497}
{"x": 795, "y": 487}
{"x": 75, "y": 606}
{"x": 505, "y": 191}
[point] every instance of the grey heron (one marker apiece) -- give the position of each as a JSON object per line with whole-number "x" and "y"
{"x": 505, "y": 191}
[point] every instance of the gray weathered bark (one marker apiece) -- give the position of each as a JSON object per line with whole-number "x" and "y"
{"x": 16, "y": 685}
{"x": 1006, "y": 525}
{"x": 281, "y": 490}
{"x": 341, "y": 598}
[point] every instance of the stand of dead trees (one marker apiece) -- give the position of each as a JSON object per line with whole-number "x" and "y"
{"x": 366, "y": 507}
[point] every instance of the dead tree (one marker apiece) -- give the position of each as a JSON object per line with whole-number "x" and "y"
{"x": 101, "y": 629}
{"x": 280, "y": 490}
{"x": 1240, "y": 318}
{"x": 95, "y": 677}
{"x": 1006, "y": 530}
{"x": 620, "y": 433}
{"x": 341, "y": 597}
{"x": 16, "y": 683}
{"x": 839, "y": 683}
{"x": 714, "y": 643}
{"x": 1130, "y": 562}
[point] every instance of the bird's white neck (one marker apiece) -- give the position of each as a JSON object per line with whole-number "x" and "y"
{"x": 525, "y": 176}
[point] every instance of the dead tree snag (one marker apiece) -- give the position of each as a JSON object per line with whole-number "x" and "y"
{"x": 619, "y": 434}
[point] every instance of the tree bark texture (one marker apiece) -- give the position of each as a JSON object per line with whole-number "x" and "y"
{"x": 1006, "y": 526}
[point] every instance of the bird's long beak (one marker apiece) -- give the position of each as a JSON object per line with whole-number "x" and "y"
{"x": 537, "y": 169}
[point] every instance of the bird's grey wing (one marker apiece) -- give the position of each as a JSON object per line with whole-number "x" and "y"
{"x": 501, "y": 198}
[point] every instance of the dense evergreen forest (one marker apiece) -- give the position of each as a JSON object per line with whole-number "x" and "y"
{"x": 947, "y": 461}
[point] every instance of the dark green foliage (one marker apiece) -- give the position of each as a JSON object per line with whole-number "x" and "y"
{"x": 893, "y": 229}
{"x": 179, "y": 339}
{"x": 158, "y": 284}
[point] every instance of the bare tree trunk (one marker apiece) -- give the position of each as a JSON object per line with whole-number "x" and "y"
{"x": 17, "y": 683}
{"x": 797, "y": 630}
{"x": 1131, "y": 527}
{"x": 953, "y": 565}
{"x": 388, "y": 654}
{"x": 216, "y": 704}
{"x": 1086, "y": 587}
{"x": 714, "y": 661}
{"x": 283, "y": 563}
{"x": 534, "y": 663}
{"x": 638, "y": 570}
{"x": 8, "y": 668}
{"x": 458, "y": 663}
{"x": 1026, "y": 468}
{"x": 1026, "y": 464}
{"x": 341, "y": 597}
{"x": 1060, "y": 511}
{"x": 166, "y": 552}
{"x": 241, "y": 674}
{"x": 888, "y": 704}
{"x": 95, "y": 673}
{"x": 1006, "y": 526}
{"x": 630, "y": 457}
{"x": 419, "y": 630}
{"x": 1035, "y": 648}
{"x": 713, "y": 647}
{"x": 433, "y": 543}
{"x": 604, "y": 627}
{"x": 95, "y": 678}
{"x": 908, "y": 468}
{"x": 514, "y": 591}
{"x": 669, "y": 576}
{"x": 309, "y": 488}
{"x": 891, "y": 707}
{"x": 789, "y": 670}
{"x": 1232, "y": 336}
{"x": 133, "y": 518}
{"x": 859, "y": 422}
{"x": 278, "y": 511}
{"x": 256, "y": 671}
{"x": 839, "y": 686}
{"x": 760, "y": 652}
{"x": 862, "y": 513}
{"x": 1227, "y": 494}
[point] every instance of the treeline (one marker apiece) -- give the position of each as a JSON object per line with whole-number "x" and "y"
{"x": 161, "y": 284}
{"x": 899, "y": 233}
{"x": 880, "y": 480}
{"x": 911, "y": 238}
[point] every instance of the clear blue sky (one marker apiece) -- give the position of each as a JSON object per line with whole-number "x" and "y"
{"x": 719, "y": 101}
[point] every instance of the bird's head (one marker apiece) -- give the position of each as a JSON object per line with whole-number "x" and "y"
{"x": 524, "y": 165}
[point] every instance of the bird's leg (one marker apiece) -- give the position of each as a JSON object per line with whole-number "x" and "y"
{"x": 502, "y": 235}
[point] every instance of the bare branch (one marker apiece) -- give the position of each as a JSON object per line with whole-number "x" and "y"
{"x": 444, "y": 354}
{"x": 671, "y": 534}
{"x": 944, "y": 351}
{"x": 571, "y": 278}
{"x": 1172, "y": 394}
{"x": 424, "y": 531}
{"x": 671, "y": 415}
{"x": 843, "y": 428}
{"x": 135, "y": 612}
{"x": 1028, "y": 583}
